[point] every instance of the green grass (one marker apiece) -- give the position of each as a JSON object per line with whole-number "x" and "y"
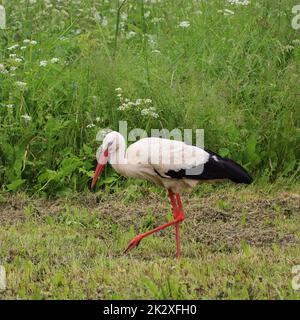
{"x": 236, "y": 76}
{"x": 72, "y": 249}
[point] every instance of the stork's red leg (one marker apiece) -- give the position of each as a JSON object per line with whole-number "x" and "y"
{"x": 179, "y": 206}
{"x": 179, "y": 203}
{"x": 178, "y": 217}
{"x": 176, "y": 210}
{"x": 135, "y": 241}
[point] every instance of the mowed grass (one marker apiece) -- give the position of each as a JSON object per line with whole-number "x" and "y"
{"x": 233, "y": 73}
{"x": 241, "y": 244}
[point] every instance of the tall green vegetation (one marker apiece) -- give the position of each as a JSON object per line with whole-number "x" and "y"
{"x": 230, "y": 69}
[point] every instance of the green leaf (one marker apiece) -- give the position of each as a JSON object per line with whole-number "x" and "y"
{"x": 246, "y": 248}
{"x": 15, "y": 185}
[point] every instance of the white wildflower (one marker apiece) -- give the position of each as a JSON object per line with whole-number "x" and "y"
{"x": 138, "y": 102}
{"x": 18, "y": 60}
{"x": 91, "y": 125}
{"x": 124, "y": 16}
{"x": 23, "y": 48}
{"x": 96, "y": 15}
{"x": 54, "y": 60}
{"x": 151, "y": 112}
{"x": 151, "y": 40}
{"x": 288, "y": 48}
{"x": 15, "y": 46}
{"x": 21, "y": 84}
{"x": 239, "y": 2}
{"x": 147, "y": 14}
{"x": 130, "y": 34}
{"x": 43, "y": 63}
{"x": 2, "y": 69}
{"x": 12, "y": 56}
{"x": 184, "y": 24}
{"x": 26, "y": 117}
{"x": 98, "y": 119}
{"x": 156, "y": 19}
{"x": 104, "y": 22}
{"x": 228, "y": 12}
{"x": 296, "y": 41}
{"x": 123, "y": 107}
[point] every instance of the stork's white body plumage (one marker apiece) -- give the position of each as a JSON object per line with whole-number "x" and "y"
{"x": 170, "y": 164}
{"x": 151, "y": 158}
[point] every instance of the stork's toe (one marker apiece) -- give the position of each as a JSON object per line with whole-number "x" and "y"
{"x": 133, "y": 243}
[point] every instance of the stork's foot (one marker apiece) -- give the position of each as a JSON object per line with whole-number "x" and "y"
{"x": 133, "y": 243}
{"x": 178, "y": 214}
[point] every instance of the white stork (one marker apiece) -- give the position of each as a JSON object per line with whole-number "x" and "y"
{"x": 170, "y": 164}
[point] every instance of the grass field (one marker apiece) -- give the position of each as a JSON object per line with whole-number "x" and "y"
{"x": 233, "y": 73}
{"x": 70, "y": 68}
{"x": 239, "y": 244}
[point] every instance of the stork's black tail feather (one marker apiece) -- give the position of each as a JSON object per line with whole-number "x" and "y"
{"x": 236, "y": 172}
{"x": 215, "y": 168}
{"x": 227, "y": 168}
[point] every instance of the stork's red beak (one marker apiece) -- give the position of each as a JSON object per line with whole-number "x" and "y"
{"x": 100, "y": 166}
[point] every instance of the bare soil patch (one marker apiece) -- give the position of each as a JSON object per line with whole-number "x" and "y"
{"x": 214, "y": 220}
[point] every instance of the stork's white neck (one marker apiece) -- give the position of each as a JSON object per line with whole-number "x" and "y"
{"x": 117, "y": 157}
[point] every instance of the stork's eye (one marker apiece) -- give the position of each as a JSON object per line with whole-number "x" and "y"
{"x": 110, "y": 143}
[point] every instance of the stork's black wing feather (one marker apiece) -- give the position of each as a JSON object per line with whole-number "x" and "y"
{"x": 215, "y": 168}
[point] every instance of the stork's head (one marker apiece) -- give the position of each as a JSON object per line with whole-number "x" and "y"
{"x": 110, "y": 145}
